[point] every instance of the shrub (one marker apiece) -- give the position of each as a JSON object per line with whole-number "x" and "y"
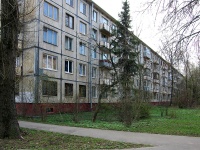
{"x": 141, "y": 110}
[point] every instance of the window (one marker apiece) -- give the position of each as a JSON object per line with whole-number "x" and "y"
{"x": 50, "y": 11}
{"x": 68, "y": 89}
{"x": 17, "y": 61}
{"x": 82, "y": 48}
{"x": 94, "y": 91}
{"x": 82, "y": 90}
{"x": 94, "y": 34}
{"x": 94, "y": 16}
{"x": 49, "y": 88}
{"x": 104, "y": 20}
{"x": 68, "y": 66}
{"x": 104, "y": 56}
{"x": 49, "y": 62}
{"x": 104, "y": 38}
{"x": 94, "y": 72}
{"x": 82, "y": 28}
{"x": 68, "y": 43}
{"x": 49, "y": 36}
{"x": 69, "y": 21}
{"x": 82, "y": 69}
{"x": 70, "y": 2}
{"x": 83, "y": 8}
{"x": 94, "y": 53}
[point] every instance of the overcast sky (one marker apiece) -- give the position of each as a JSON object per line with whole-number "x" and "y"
{"x": 143, "y": 25}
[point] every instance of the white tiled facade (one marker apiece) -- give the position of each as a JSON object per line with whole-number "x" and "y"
{"x": 60, "y": 53}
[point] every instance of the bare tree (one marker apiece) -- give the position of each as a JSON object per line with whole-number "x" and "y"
{"x": 9, "y": 127}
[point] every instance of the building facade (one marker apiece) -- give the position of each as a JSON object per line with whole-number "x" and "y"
{"x": 63, "y": 58}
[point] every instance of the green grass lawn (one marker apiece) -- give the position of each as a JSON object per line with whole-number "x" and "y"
{"x": 42, "y": 140}
{"x": 178, "y": 122}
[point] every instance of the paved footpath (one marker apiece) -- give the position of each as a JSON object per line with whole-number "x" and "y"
{"x": 158, "y": 141}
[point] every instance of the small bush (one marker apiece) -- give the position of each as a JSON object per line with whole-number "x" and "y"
{"x": 141, "y": 110}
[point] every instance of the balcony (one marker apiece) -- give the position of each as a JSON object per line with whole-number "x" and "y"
{"x": 156, "y": 81}
{"x": 104, "y": 28}
{"x": 106, "y": 81}
{"x": 104, "y": 45}
{"x": 147, "y": 88}
{"x": 164, "y": 67}
{"x": 147, "y": 55}
{"x": 156, "y": 70}
{"x": 156, "y": 61}
{"x": 146, "y": 77}
{"x": 105, "y": 64}
{"x": 147, "y": 66}
{"x": 156, "y": 90}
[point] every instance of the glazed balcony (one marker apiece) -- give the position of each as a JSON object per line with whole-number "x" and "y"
{"x": 147, "y": 55}
{"x": 104, "y": 45}
{"x": 104, "y": 28}
{"x": 106, "y": 81}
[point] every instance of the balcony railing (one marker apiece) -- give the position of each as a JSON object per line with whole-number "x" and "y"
{"x": 156, "y": 81}
{"x": 105, "y": 29}
{"x": 105, "y": 63}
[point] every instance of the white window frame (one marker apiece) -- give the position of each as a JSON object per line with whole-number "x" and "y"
{"x": 68, "y": 43}
{"x": 50, "y": 36}
{"x": 94, "y": 72}
{"x": 83, "y": 8}
{"x": 82, "y": 69}
{"x": 54, "y": 14}
{"x": 70, "y": 2}
{"x": 94, "y": 16}
{"x": 83, "y": 28}
{"x": 52, "y": 58}
{"x": 94, "y": 92}
{"x": 82, "y": 48}
{"x": 72, "y": 69}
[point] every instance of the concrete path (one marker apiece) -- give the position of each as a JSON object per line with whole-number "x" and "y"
{"x": 158, "y": 141}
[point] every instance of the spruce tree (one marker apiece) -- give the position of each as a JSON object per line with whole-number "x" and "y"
{"x": 124, "y": 47}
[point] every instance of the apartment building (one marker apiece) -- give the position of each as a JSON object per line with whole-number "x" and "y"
{"x": 63, "y": 58}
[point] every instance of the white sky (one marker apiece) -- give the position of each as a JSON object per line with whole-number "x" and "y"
{"x": 143, "y": 25}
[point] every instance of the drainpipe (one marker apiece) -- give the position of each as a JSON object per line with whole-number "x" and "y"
{"x": 37, "y": 56}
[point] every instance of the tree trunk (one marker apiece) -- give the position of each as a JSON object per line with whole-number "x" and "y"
{"x": 9, "y": 127}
